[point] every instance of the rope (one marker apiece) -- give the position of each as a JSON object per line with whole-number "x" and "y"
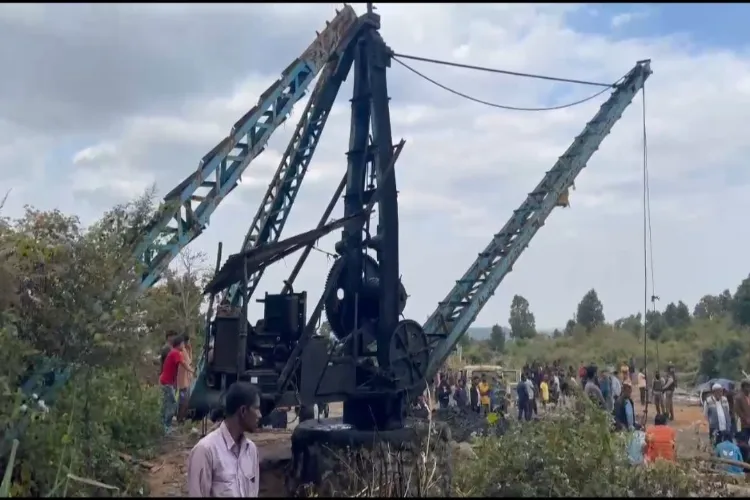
{"x": 648, "y": 255}
{"x": 503, "y": 106}
{"x": 504, "y": 72}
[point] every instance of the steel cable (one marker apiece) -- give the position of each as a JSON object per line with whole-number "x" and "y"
{"x": 506, "y": 107}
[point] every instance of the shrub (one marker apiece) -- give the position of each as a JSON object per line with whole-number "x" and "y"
{"x": 569, "y": 453}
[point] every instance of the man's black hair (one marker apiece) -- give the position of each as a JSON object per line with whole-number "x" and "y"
{"x": 591, "y": 372}
{"x": 240, "y": 394}
{"x": 660, "y": 419}
{"x": 170, "y": 333}
{"x": 179, "y": 339}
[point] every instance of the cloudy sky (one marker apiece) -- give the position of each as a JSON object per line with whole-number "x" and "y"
{"x": 98, "y": 102}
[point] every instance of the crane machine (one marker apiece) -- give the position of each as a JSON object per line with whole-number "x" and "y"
{"x": 377, "y": 361}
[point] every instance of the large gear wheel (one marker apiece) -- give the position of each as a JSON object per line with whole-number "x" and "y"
{"x": 367, "y": 308}
{"x": 408, "y": 354}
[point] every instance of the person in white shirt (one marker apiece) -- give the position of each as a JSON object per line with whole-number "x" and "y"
{"x": 225, "y": 462}
{"x": 716, "y": 410}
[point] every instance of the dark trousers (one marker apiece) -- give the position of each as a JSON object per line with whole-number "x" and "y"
{"x": 743, "y": 439}
{"x": 669, "y": 404}
{"x": 524, "y": 410}
{"x": 642, "y": 391}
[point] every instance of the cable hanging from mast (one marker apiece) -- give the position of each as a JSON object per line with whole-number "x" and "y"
{"x": 648, "y": 253}
{"x": 607, "y": 86}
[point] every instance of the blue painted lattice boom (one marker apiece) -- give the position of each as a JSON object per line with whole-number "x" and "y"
{"x": 274, "y": 210}
{"x": 185, "y": 213}
{"x": 459, "y": 309}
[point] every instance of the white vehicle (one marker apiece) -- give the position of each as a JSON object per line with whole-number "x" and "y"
{"x": 510, "y": 377}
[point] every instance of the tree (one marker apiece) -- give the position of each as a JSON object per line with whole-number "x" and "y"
{"x": 655, "y": 324}
{"x": 522, "y": 322}
{"x": 670, "y": 315}
{"x": 175, "y": 302}
{"x": 725, "y": 302}
{"x": 682, "y": 315}
{"x": 706, "y": 308}
{"x": 590, "y": 311}
{"x": 713, "y": 306}
{"x": 556, "y": 334}
{"x": 71, "y": 303}
{"x": 741, "y": 303}
{"x": 497, "y": 338}
{"x": 632, "y": 323}
{"x": 569, "y": 327}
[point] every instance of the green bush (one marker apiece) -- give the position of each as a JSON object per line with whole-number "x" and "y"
{"x": 569, "y": 453}
{"x": 84, "y": 434}
{"x": 72, "y": 294}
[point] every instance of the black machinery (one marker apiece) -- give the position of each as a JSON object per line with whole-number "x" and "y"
{"x": 376, "y": 359}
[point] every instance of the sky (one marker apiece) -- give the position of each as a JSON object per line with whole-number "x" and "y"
{"x": 98, "y": 102}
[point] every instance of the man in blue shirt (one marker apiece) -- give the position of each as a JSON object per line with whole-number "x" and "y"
{"x": 725, "y": 448}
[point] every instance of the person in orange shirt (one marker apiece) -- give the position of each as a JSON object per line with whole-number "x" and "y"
{"x": 660, "y": 440}
{"x": 184, "y": 379}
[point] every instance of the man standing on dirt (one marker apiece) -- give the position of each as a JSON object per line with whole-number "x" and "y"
{"x": 670, "y": 384}
{"x": 642, "y": 386}
{"x": 168, "y": 381}
{"x": 522, "y": 399}
{"x": 656, "y": 390}
{"x": 225, "y": 462}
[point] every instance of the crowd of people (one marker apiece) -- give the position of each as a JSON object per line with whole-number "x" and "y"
{"x": 482, "y": 394}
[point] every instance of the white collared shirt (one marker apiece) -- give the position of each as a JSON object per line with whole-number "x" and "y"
{"x": 218, "y": 466}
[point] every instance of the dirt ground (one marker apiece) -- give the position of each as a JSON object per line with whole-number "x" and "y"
{"x": 167, "y": 472}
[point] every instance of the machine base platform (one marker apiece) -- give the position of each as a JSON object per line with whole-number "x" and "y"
{"x": 330, "y": 458}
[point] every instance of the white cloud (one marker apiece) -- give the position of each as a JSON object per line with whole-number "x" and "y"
{"x": 625, "y": 18}
{"x": 465, "y": 167}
